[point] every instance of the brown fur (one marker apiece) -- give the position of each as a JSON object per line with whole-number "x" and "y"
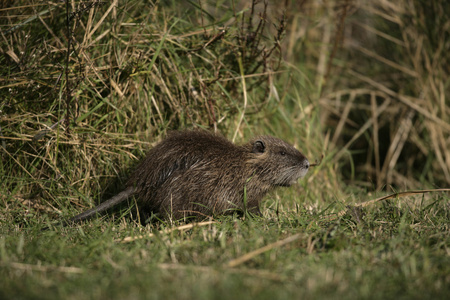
{"x": 196, "y": 173}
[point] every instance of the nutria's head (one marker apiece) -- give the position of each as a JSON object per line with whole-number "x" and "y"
{"x": 276, "y": 162}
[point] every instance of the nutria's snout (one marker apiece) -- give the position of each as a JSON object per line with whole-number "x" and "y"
{"x": 306, "y": 164}
{"x": 304, "y": 167}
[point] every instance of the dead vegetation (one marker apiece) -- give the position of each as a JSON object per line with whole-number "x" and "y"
{"x": 86, "y": 86}
{"x": 385, "y": 90}
{"x": 84, "y": 83}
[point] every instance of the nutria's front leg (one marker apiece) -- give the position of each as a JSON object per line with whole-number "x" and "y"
{"x": 255, "y": 211}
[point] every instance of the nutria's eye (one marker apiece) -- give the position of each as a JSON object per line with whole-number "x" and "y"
{"x": 282, "y": 153}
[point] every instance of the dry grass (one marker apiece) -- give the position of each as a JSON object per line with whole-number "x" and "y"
{"x": 70, "y": 124}
{"x": 69, "y": 129}
{"x": 383, "y": 69}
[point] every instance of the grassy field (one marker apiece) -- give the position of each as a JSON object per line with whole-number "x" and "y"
{"x": 391, "y": 250}
{"x": 87, "y": 87}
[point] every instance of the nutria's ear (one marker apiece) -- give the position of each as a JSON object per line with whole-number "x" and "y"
{"x": 259, "y": 147}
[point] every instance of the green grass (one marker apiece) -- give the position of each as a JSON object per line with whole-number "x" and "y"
{"x": 392, "y": 250}
{"x": 67, "y": 143}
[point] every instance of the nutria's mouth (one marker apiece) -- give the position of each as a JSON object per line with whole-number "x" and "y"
{"x": 293, "y": 177}
{"x": 302, "y": 173}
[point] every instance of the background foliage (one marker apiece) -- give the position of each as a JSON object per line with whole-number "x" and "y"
{"x": 86, "y": 87}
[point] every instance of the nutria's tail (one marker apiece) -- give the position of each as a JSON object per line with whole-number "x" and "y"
{"x": 119, "y": 198}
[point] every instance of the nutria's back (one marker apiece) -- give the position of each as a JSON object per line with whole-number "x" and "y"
{"x": 199, "y": 173}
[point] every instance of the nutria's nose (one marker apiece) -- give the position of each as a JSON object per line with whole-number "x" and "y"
{"x": 306, "y": 164}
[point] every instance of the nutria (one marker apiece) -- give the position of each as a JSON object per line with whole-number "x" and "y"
{"x": 197, "y": 173}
